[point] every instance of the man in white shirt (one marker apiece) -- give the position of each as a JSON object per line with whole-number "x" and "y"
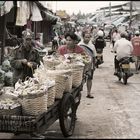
{"x": 123, "y": 48}
{"x": 89, "y": 48}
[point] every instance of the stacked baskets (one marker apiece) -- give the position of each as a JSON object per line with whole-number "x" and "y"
{"x": 60, "y": 77}
{"x": 51, "y": 96}
{"x": 77, "y": 74}
{"x": 50, "y": 62}
{"x": 34, "y": 104}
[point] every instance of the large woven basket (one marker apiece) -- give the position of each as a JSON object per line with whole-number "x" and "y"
{"x": 77, "y": 75}
{"x": 60, "y": 83}
{"x": 60, "y": 78}
{"x": 50, "y": 64}
{"x": 34, "y": 104}
{"x": 51, "y": 96}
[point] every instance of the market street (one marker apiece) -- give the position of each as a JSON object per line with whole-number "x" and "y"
{"x": 113, "y": 113}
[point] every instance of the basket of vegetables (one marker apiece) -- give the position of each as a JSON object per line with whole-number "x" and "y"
{"x": 33, "y": 97}
{"x": 9, "y": 107}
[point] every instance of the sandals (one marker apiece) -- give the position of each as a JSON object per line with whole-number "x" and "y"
{"x": 89, "y": 96}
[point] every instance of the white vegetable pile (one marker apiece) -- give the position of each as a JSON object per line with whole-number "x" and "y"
{"x": 32, "y": 86}
{"x": 8, "y": 104}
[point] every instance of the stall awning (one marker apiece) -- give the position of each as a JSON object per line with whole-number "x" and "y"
{"x": 5, "y": 7}
{"x": 46, "y": 13}
{"x": 48, "y": 16}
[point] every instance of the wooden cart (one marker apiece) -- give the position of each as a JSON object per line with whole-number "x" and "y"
{"x": 63, "y": 109}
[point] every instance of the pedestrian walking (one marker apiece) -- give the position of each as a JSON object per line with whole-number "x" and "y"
{"x": 115, "y": 36}
{"x": 89, "y": 48}
{"x": 136, "y": 49}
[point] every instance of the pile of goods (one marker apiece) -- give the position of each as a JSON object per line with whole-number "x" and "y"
{"x": 9, "y": 107}
{"x": 6, "y": 74}
{"x": 55, "y": 75}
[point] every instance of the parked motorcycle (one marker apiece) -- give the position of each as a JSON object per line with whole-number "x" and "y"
{"x": 99, "y": 57}
{"x": 124, "y": 71}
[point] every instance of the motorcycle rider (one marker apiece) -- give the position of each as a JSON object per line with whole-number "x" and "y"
{"x": 100, "y": 43}
{"x": 122, "y": 48}
{"x": 136, "y": 51}
{"x": 87, "y": 45}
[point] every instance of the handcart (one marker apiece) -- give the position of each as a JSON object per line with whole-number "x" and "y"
{"x": 63, "y": 109}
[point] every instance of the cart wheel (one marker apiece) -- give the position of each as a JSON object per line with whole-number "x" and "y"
{"x": 77, "y": 102}
{"x": 67, "y": 114}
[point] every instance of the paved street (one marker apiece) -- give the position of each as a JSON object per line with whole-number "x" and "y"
{"x": 113, "y": 113}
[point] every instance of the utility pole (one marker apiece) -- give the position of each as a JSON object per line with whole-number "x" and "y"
{"x": 2, "y": 45}
{"x": 110, "y": 10}
{"x": 131, "y": 8}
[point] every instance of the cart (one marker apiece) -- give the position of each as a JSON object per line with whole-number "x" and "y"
{"x": 63, "y": 109}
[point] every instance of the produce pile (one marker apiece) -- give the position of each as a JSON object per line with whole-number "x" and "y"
{"x": 58, "y": 73}
{"x": 8, "y": 104}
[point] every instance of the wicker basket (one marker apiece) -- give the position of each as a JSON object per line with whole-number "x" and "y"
{"x": 60, "y": 78}
{"x": 60, "y": 85}
{"x": 15, "y": 111}
{"x": 51, "y": 96}
{"x": 49, "y": 64}
{"x": 34, "y": 104}
{"x": 77, "y": 76}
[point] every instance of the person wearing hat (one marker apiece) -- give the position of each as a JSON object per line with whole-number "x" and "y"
{"x": 136, "y": 49}
{"x": 25, "y": 59}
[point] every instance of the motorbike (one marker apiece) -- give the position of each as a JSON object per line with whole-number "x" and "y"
{"x": 99, "y": 57}
{"x": 124, "y": 71}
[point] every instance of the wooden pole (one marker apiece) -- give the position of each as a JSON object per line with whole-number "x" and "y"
{"x": 131, "y": 8}
{"x": 3, "y": 38}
